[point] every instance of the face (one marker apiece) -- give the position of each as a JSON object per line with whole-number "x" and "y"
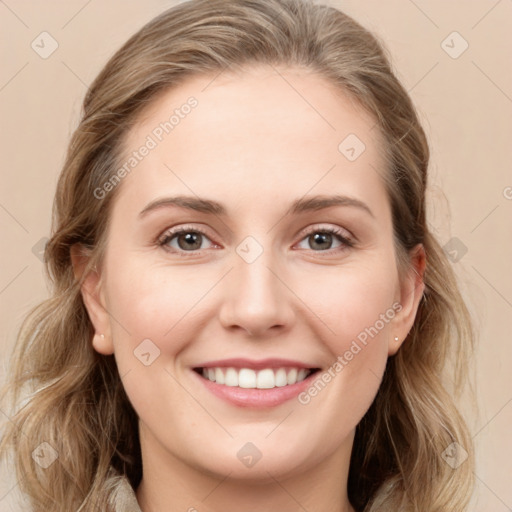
{"x": 278, "y": 257}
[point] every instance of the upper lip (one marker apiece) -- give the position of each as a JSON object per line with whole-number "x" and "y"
{"x": 240, "y": 362}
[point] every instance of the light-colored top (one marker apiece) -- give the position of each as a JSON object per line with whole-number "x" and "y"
{"x": 122, "y": 497}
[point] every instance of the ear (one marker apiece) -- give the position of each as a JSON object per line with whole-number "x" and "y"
{"x": 410, "y": 292}
{"x": 94, "y": 299}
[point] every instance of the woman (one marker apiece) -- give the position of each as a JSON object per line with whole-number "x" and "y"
{"x": 249, "y": 310}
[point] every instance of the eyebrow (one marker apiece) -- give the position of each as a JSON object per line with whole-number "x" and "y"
{"x": 202, "y": 205}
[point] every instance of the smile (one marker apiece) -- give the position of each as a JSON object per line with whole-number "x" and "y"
{"x": 247, "y": 378}
{"x": 255, "y": 388}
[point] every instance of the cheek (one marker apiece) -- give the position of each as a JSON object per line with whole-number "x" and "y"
{"x": 151, "y": 299}
{"x": 356, "y": 306}
{"x": 148, "y": 302}
{"x": 152, "y": 320}
{"x": 351, "y": 302}
{"x": 364, "y": 314}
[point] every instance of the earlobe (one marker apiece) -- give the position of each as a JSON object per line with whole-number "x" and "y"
{"x": 93, "y": 298}
{"x": 411, "y": 292}
{"x": 102, "y": 344}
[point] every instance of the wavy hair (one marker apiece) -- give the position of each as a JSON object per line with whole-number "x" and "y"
{"x": 64, "y": 393}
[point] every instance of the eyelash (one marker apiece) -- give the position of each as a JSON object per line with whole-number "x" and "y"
{"x": 164, "y": 239}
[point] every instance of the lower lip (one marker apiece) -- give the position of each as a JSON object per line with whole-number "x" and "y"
{"x": 256, "y": 398}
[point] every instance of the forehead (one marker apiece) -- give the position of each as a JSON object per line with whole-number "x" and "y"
{"x": 262, "y": 131}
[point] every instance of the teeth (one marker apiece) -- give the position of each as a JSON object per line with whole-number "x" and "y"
{"x": 231, "y": 377}
{"x": 251, "y": 379}
{"x": 247, "y": 378}
{"x": 281, "y": 379}
{"x": 219, "y": 376}
{"x": 266, "y": 379}
{"x": 292, "y": 376}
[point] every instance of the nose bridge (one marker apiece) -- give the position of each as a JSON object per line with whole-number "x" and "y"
{"x": 256, "y": 299}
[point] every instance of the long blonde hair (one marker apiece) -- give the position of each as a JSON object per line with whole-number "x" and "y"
{"x": 73, "y": 398}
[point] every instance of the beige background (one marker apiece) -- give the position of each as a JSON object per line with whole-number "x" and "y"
{"x": 465, "y": 104}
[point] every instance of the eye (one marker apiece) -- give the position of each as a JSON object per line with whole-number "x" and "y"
{"x": 192, "y": 239}
{"x": 322, "y": 239}
{"x": 184, "y": 239}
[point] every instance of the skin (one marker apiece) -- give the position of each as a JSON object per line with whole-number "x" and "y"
{"x": 254, "y": 144}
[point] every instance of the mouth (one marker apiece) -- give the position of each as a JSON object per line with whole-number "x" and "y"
{"x": 248, "y": 378}
{"x": 255, "y": 383}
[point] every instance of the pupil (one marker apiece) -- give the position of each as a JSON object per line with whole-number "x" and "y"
{"x": 191, "y": 241}
{"x": 320, "y": 238}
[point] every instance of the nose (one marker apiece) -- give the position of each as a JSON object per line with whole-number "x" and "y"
{"x": 256, "y": 300}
